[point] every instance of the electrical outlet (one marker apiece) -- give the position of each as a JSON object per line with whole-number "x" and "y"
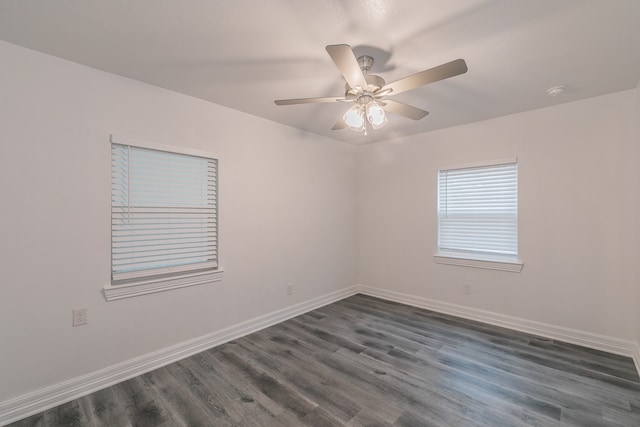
{"x": 79, "y": 316}
{"x": 466, "y": 288}
{"x": 290, "y": 289}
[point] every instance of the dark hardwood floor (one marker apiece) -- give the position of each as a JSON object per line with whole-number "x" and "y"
{"x": 363, "y": 361}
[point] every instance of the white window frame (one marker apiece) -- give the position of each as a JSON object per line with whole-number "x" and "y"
{"x": 470, "y": 259}
{"x": 142, "y": 283}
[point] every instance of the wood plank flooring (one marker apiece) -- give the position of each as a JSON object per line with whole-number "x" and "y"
{"x": 363, "y": 361}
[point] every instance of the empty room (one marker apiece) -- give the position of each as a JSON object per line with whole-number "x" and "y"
{"x": 320, "y": 213}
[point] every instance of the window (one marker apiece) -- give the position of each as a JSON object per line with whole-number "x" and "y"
{"x": 164, "y": 219}
{"x": 478, "y": 216}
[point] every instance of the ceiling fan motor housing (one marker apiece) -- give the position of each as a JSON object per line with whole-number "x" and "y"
{"x": 374, "y": 83}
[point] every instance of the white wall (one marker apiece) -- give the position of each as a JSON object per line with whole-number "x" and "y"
{"x": 638, "y": 259}
{"x": 578, "y": 227}
{"x": 287, "y": 208}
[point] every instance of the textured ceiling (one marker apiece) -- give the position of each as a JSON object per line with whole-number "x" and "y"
{"x": 244, "y": 54}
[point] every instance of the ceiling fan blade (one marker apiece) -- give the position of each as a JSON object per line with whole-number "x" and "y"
{"x": 347, "y": 63}
{"x": 405, "y": 110}
{"x": 431, "y": 75}
{"x": 309, "y": 100}
{"x": 340, "y": 124}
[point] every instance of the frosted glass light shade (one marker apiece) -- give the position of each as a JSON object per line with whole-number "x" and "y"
{"x": 376, "y": 115}
{"x": 354, "y": 118}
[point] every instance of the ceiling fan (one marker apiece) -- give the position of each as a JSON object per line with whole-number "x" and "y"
{"x": 367, "y": 90}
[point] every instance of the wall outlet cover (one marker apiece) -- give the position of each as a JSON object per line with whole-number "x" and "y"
{"x": 79, "y": 316}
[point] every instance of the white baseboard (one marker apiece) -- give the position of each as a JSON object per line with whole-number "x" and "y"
{"x": 573, "y": 336}
{"x": 57, "y": 394}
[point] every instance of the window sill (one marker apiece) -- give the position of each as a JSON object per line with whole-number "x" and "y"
{"x": 146, "y": 286}
{"x": 514, "y": 266}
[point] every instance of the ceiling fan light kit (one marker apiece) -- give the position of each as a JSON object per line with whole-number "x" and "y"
{"x": 367, "y": 90}
{"x": 355, "y": 116}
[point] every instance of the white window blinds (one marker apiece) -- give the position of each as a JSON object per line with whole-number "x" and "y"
{"x": 163, "y": 212}
{"x": 478, "y": 211}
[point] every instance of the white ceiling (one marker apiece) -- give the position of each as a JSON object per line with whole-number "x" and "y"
{"x": 244, "y": 54}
